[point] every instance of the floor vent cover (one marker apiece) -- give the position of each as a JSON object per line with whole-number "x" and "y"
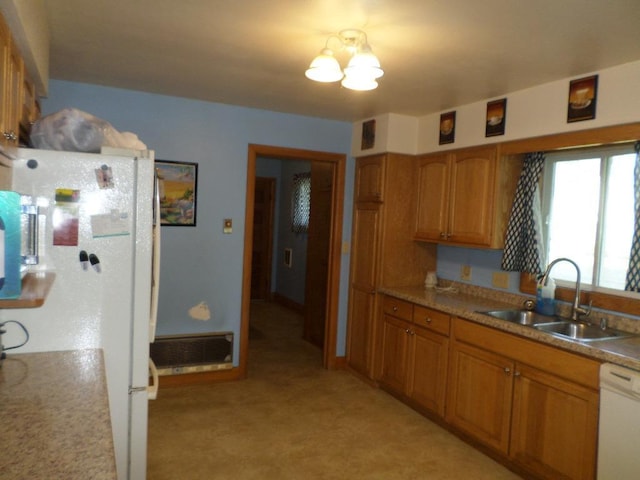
{"x": 177, "y": 354}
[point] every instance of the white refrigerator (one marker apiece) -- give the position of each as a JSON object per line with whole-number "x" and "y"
{"x": 99, "y": 232}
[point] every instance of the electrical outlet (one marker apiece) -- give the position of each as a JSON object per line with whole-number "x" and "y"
{"x": 500, "y": 280}
{"x": 465, "y": 273}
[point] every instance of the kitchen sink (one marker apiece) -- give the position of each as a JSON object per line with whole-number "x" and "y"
{"x": 523, "y": 317}
{"x": 581, "y": 331}
{"x": 558, "y": 326}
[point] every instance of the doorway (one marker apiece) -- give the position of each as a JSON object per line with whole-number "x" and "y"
{"x": 327, "y": 162}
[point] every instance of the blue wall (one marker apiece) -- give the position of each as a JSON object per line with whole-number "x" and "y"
{"x": 201, "y": 263}
{"x": 483, "y": 264}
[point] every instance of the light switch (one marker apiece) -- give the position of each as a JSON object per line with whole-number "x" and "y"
{"x": 465, "y": 273}
{"x": 228, "y": 226}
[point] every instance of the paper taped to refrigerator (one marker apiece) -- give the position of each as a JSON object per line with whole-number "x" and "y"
{"x": 110, "y": 224}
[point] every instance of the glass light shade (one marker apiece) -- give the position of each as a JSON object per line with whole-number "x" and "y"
{"x": 324, "y": 68}
{"x": 364, "y": 63}
{"x": 359, "y": 83}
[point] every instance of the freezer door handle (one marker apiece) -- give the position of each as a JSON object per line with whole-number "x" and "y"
{"x": 152, "y": 389}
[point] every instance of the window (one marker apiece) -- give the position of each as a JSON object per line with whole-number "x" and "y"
{"x": 588, "y": 213}
{"x": 301, "y": 202}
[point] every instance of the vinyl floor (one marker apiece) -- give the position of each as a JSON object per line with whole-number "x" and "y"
{"x": 291, "y": 419}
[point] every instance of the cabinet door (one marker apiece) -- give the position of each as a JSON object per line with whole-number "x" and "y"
{"x": 369, "y": 179}
{"x": 472, "y": 196}
{"x": 365, "y": 242}
{"x": 5, "y": 90}
{"x": 364, "y": 255}
{"x": 395, "y": 339}
{"x": 427, "y": 375}
{"x": 555, "y": 424}
{"x": 480, "y": 394}
{"x": 14, "y": 96}
{"x": 433, "y": 198}
{"x": 359, "y": 346}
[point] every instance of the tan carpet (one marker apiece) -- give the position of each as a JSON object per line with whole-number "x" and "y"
{"x": 291, "y": 419}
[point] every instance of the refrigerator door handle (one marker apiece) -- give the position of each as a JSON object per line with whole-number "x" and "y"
{"x": 155, "y": 267}
{"x": 152, "y": 390}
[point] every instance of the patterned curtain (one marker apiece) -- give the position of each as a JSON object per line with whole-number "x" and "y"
{"x": 633, "y": 272}
{"x": 301, "y": 202}
{"x": 522, "y": 249}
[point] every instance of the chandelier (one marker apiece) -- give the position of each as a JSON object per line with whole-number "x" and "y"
{"x": 363, "y": 68}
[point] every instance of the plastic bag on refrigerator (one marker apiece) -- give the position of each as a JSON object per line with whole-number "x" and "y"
{"x": 77, "y": 131}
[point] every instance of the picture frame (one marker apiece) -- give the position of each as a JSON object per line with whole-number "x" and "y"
{"x": 178, "y": 188}
{"x": 447, "y": 128}
{"x": 368, "y": 134}
{"x": 496, "y": 118}
{"x": 583, "y": 96}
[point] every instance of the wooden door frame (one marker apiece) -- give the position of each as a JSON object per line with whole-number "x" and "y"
{"x": 335, "y": 244}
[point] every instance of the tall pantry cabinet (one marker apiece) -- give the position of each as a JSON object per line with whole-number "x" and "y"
{"x": 383, "y": 252}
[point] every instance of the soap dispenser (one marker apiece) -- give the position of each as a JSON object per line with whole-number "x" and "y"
{"x": 546, "y": 298}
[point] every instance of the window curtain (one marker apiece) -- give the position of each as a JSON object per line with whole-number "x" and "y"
{"x": 523, "y": 241}
{"x": 633, "y": 271}
{"x": 301, "y": 202}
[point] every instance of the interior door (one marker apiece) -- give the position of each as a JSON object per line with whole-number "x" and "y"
{"x": 264, "y": 204}
{"x": 318, "y": 243}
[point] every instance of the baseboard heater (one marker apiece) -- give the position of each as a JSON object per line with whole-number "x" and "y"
{"x": 179, "y": 354}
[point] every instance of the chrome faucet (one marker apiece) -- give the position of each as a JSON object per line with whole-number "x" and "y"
{"x": 576, "y": 309}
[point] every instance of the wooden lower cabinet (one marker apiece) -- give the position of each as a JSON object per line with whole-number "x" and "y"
{"x": 554, "y": 425}
{"x": 542, "y": 421}
{"x": 427, "y": 375}
{"x": 480, "y": 393}
{"x": 395, "y": 346}
{"x": 414, "y": 359}
{"x": 359, "y": 349}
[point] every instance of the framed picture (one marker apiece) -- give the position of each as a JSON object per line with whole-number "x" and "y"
{"x": 368, "y": 134}
{"x": 496, "y": 117}
{"x": 583, "y": 94}
{"x": 447, "y": 127}
{"x": 177, "y": 184}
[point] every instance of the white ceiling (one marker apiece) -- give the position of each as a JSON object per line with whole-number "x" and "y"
{"x": 436, "y": 54}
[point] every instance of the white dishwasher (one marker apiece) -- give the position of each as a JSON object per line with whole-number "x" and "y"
{"x": 619, "y": 433}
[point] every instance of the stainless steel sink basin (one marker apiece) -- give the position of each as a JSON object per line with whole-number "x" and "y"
{"x": 558, "y": 326}
{"x": 523, "y": 317}
{"x": 581, "y": 331}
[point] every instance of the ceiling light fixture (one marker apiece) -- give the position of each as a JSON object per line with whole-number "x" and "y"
{"x": 362, "y": 70}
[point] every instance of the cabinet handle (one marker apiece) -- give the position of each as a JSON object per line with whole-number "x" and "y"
{"x": 10, "y": 135}
{"x": 407, "y": 331}
{"x": 395, "y": 309}
{"x": 428, "y": 319}
{"x": 507, "y": 370}
{"x": 516, "y": 373}
{"x": 443, "y": 235}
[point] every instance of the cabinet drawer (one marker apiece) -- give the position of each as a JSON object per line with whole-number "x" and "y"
{"x": 397, "y": 308}
{"x": 431, "y": 319}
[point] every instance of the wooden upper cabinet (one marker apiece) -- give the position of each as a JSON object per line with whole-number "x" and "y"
{"x": 465, "y": 197}
{"x": 18, "y": 97}
{"x": 433, "y": 197}
{"x": 369, "y": 179}
{"x": 473, "y": 174}
{"x": 5, "y": 92}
